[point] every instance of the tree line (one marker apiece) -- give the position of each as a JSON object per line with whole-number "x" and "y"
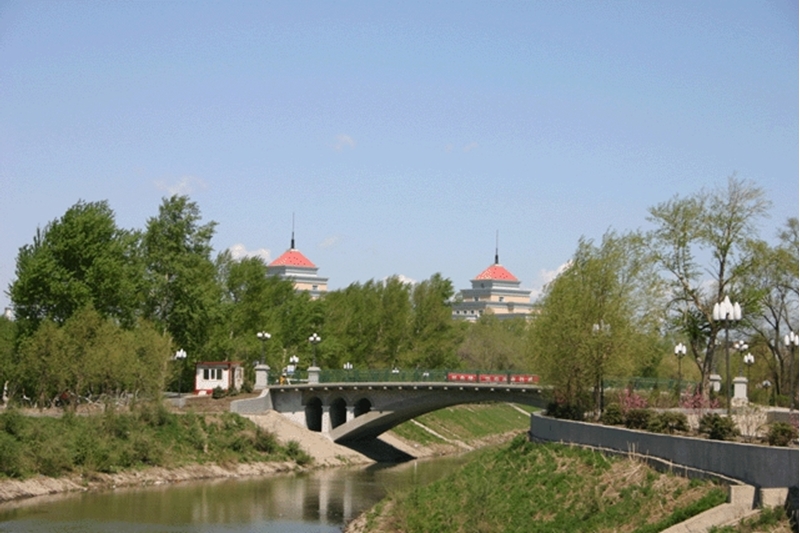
{"x": 101, "y": 309}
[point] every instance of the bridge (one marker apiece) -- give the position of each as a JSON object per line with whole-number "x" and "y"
{"x": 347, "y": 411}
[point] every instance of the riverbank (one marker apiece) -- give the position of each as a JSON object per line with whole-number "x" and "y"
{"x": 324, "y": 453}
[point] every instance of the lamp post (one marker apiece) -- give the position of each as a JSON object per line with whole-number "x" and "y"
{"x": 680, "y": 352}
{"x": 727, "y": 312}
{"x": 180, "y": 355}
{"x": 749, "y": 360}
{"x": 293, "y": 361}
{"x": 791, "y": 341}
{"x": 264, "y": 336}
{"x": 597, "y": 329}
{"x": 314, "y": 339}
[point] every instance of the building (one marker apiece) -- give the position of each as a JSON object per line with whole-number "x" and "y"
{"x": 496, "y": 291}
{"x": 209, "y": 375}
{"x": 296, "y": 267}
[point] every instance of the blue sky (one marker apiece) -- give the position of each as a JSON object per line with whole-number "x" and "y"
{"x": 402, "y": 135}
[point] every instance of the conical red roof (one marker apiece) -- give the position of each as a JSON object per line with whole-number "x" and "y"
{"x": 293, "y": 257}
{"x": 497, "y": 272}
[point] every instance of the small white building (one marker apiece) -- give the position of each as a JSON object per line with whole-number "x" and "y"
{"x": 209, "y": 375}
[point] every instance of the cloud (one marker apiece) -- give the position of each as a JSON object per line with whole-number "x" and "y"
{"x": 546, "y": 277}
{"x": 471, "y": 146}
{"x": 402, "y": 278}
{"x": 330, "y": 242}
{"x": 343, "y": 141}
{"x": 185, "y": 185}
{"x": 239, "y": 251}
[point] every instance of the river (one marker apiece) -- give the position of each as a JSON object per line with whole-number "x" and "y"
{"x": 322, "y": 501}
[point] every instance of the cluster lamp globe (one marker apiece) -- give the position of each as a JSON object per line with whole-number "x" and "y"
{"x": 727, "y": 312}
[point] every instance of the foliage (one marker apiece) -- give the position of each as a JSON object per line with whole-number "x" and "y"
{"x": 628, "y": 400}
{"x": 550, "y": 488}
{"x": 218, "y": 393}
{"x": 720, "y": 222}
{"x": 613, "y": 415}
{"x": 88, "y": 357}
{"x": 638, "y": 418}
{"x": 567, "y": 411}
{"x": 147, "y": 436}
{"x": 81, "y": 259}
{"x": 668, "y": 422}
{"x": 717, "y": 427}
{"x": 781, "y": 434}
{"x": 494, "y": 343}
{"x": 596, "y": 318}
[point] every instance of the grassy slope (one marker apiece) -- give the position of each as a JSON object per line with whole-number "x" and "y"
{"x": 528, "y": 487}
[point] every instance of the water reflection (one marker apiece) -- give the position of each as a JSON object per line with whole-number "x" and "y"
{"x": 320, "y": 502}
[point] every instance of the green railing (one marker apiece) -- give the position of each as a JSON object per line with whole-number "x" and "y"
{"x": 648, "y": 384}
{"x": 381, "y": 376}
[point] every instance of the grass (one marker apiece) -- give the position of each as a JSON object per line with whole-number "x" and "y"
{"x": 529, "y": 487}
{"x": 149, "y": 435}
{"x": 771, "y": 520}
{"x": 465, "y": 423}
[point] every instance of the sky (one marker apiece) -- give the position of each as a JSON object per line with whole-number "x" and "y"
{"x": 403, "y": 137}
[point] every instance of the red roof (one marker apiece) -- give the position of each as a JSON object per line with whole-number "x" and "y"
{"x": 292, "y": 257}
{"x": 497, "y": 272}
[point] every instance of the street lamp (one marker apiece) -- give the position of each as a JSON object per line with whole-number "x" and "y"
{"x": 727, "y": 312}
{"x": 605, "y": 329}
{"x": 749, "y": 360}
{"x": 680, "y": 352}
{"x": 293, "y": 361}
{"x": 741, "y": 347}
{"x": 180, "y": 355}
{"x": 791, "y": 341}
{"x": 348, "y": 366}
{"x": 264, "y": 336}
{"x": 314, "y": 339}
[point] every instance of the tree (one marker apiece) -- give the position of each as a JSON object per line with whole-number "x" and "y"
{"x": 82, "y": 258}
{"x": 182, "y": 292}
{"x": 434, "y": 335}
{"x": 769, "y": 280}
{"x": 596, "y": 319}
{"x": 495, "y": 344}
{"x": 717, "y": 225}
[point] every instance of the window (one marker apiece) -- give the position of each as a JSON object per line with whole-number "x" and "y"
{"x": 314, "y": 287}
{"x": 212, "y": 374}
{"x": 476, "y": 298}
{"x": 502, "y": 298}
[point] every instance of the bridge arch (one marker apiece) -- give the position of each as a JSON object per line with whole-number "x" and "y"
{"x": 338, "y": 412}
{"x": 362, "y": 407}
{"x": 314, "y": 414}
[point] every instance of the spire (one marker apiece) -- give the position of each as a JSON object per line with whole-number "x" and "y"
{"x": 497, "y": 248}
{"x": 292, "y": 246}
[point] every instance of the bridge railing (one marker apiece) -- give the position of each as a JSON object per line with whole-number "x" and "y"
{"x": 381, "y": 375}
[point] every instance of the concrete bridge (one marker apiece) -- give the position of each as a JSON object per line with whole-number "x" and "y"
{"x": 349, "y": 412}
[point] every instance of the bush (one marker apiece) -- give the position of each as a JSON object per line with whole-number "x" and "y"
{"x": 612, "y": 415}
{"x": 668, "y": 422}
{"x": 297, "y": 454}
{"x": 717, "y": 427}
{"x": 638, "y": 418}
{"x": 218, "y": 393}
{"x": 781, "y": 434}
{"x": 565, "y": 411}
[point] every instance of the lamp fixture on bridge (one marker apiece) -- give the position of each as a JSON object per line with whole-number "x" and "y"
{"x": 180, "y": 355}
{"x": 727, "y": 312}
{"x": 680, "y": 352}
{"x": 314, "y": 339}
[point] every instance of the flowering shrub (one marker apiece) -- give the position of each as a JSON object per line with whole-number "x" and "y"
{"x": 697, "y": 402}
{"x": 629, "y": 400}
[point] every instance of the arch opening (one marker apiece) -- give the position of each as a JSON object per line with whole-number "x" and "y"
{"x": 314, "y": 414}
{"x": 338, "y": 412}
{"x": 363, "y": 406}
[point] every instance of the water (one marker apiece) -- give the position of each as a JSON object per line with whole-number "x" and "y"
{"x": 317, "y": 502}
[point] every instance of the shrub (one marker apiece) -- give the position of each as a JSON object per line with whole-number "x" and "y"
{"x": 668, "y": 422}
{"x": 612, "y": 416}
{"x": 717, "y": 427}
{"x": 781, "y": 434}
{"x": 629, "y": 400}
{"x": 265, "y": 441}
{"x": 218, "y": 393}
{"x": 566, "y": 411}
{"x": 247, "y": 386}
{"x": 638, "y": 418}
{"x": 297, "y": 454}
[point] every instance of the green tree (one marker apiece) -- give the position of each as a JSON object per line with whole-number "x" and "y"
{"x": 700, "y": 244}
{"x": 183, "y": 295}
{"x": 8, "y": 334}
{"x": 82, "y": 258}
{"x": 596, "y": 319}
{"x": 434, "y": 335}
{"x": 492, "y": 343}
{"x": 768, "y": 279}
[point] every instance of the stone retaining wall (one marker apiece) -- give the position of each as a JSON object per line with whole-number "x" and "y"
{"x": 761, "y": 466}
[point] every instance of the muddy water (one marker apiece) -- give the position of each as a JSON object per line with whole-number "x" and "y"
{"x": 317, "y": 502}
